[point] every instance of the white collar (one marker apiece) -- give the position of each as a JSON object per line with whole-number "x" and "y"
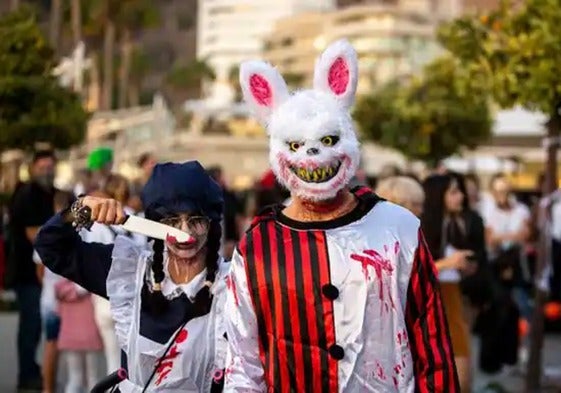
{"x": 171, "y": 289}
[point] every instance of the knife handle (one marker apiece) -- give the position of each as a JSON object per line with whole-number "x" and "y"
{"x": 82, "y": 218}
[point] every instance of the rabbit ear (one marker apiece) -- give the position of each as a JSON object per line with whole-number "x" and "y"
{"x": 336, "y": 72}
{"x": 263, "y": 88}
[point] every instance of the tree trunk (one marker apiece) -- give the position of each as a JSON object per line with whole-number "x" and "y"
{"x": 134, "y": 95}
{"x": 108, "y": 43}
{"x": 76, "y": 17}
{"x": 54, "y": 24}
{"x": 14, "y": 5}
{"x": 94, "y": 85}
{"x": 125, "y": 68}
{"x": 534, "y": 369}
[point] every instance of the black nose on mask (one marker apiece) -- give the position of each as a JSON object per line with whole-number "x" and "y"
{"x": 312, "y": 151}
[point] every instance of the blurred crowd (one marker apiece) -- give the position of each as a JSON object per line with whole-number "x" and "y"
{"x": 483, "y": 244}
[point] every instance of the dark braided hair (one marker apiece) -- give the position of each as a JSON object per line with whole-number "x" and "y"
{"x": 203, "y": 298}
{"x": 155, "y": 299}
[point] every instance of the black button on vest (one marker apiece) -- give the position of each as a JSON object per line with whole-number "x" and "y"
{"x": 330, "y": 291}
{"x": 336, "y": 352}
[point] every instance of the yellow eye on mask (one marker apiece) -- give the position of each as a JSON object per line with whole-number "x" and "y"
{"x": 329, "y": 140}
{"x": 293, "y": 146}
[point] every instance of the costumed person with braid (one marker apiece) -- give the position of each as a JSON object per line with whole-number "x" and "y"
{"x": 167, "y": 303}
{"x": 336, "y": 292}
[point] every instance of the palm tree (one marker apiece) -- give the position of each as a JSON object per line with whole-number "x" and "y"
{"x": 55, "y": 24}
{"x": 76, "y": 21}
{"x": 186, "y": 80}
{"x": 140, "y": 66}
{"x": 133, "y": 17}
{"x": 293, "y": 80}
{"x": 234, "y": 82}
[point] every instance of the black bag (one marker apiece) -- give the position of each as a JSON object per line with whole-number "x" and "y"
{"x": 478, "y": 288}
{"x": 507, "y": 266}
{"x": 497, "y": 327}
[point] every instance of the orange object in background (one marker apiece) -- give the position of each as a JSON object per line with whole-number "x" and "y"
{"x": 552, "y": 311}
{"x": 523, "y": 327}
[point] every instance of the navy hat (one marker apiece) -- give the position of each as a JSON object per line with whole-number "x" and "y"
{"x": 177, "y": 188}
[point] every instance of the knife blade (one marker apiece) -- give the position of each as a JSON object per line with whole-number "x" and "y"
{"x": 156, "y": 230}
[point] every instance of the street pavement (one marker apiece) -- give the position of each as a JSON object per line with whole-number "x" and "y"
{"x": 512, "y": 382}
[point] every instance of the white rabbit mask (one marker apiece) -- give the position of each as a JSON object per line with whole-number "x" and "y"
{"x": 314, "y": 151}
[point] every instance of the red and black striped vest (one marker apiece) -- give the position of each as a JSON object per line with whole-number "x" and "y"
{"x": 289, "y": 281}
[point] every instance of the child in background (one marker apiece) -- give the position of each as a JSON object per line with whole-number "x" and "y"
{"x": 79, "y": 338}
{"x": 49, "y": 308}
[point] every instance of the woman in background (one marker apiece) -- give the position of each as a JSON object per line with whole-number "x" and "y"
{"x": 457, "y": 246}
{"x": 404, "y": 191}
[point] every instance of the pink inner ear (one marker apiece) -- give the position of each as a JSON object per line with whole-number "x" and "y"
{"x": 261, "y": 90}
{"x": 338, "y": 76}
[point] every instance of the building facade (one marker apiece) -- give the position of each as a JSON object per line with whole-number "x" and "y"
{"x": 391, "y": 41}
{"x": 231, "y": 31}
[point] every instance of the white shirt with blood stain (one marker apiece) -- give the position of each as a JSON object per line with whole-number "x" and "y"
{"x": 370, "y": 264}
{"x": 199, "y": 352}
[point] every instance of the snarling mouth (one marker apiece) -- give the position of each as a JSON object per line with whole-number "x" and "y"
{"x": 318, "y": 175}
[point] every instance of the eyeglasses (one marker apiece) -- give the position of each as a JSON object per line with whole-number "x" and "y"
{"x": 196, "y": 225}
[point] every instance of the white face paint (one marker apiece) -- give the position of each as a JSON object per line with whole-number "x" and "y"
{"x": 196, "y": 226}
{"x": 314, "y": 151}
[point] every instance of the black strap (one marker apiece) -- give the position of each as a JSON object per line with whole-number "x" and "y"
{"x": 201, "y": 306}
{"x": 161, "y": 359}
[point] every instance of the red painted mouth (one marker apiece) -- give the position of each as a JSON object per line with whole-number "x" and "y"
{"x": 173, "y": 240}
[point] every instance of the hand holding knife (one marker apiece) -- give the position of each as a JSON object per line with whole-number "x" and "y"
{"x": 87, "y": 210}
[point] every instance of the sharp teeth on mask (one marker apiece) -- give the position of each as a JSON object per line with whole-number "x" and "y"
{"x": 315, "y": 175}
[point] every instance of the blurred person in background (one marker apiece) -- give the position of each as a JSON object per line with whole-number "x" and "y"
{"x": 100, "y": 165}
{"x": 78, "y": 339}
{"x": 117, "y": 188}
{"x": 268, "y": 191}
{"x": 83, "y": 182}
{"x": 233, "y": 214}
{"x": 473, "y": 191}
{"x": 49, "y": 307}
{"x": 389, "y": 170}
{"x": 456, "y": 241}
{"x": 31, "y": 206}
{"x": 372, "y": 181}
{"x": 507, "y": 230}
{"x": 146, "y": 163}
{"x": 403, "y": 191}
{"x": 135, "y": 199}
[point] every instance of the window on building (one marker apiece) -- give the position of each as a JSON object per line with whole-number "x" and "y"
{"x": 287, "y": 41}
{"x": 221, "y": 10}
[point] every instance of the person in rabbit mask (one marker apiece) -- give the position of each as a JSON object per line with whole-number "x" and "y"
{"x": 167, "y": 303}
{"x": 336, "y": 292}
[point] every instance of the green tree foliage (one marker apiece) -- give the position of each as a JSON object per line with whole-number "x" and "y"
{"x": 33, "y": 107}
{"x": 515, "y": 51}
{"x": 191, "y": 75}
{"x": 430, "y": 117}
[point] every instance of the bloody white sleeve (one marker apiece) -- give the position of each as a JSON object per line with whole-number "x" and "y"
{"x": 244, "y": 371}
